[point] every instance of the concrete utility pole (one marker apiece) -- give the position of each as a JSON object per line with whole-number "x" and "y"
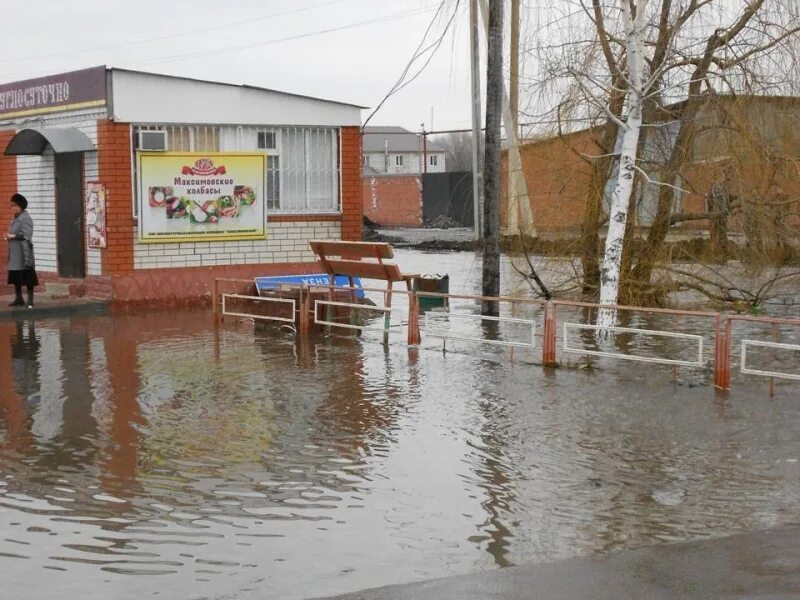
{"x": 424, "y": 150}
{"x": 477, "y": 136}
{"x": 513, "y": 83}
{"x": 491, "y": 183}
{"x": 518, "y": 201}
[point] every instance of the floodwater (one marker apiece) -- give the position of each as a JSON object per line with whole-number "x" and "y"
{"x": 154, "y": 455}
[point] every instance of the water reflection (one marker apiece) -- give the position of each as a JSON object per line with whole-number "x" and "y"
{"x": 244, "y": 463}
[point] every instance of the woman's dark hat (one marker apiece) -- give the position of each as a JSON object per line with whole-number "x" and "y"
{"x": 20, "y": 201}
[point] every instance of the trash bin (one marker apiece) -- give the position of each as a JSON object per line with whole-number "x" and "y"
{"x": 437, "y": 283}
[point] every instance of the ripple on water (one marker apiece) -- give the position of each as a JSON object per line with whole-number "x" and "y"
{"x": 163, "y": 446}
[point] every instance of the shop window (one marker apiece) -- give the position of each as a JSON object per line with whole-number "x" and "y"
{"x": 308, "y": 177}
{"x": 302, "y": 162}
{"x": 266, "y": 140}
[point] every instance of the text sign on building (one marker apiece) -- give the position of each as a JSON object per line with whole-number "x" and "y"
{"x": 192, "y": 197}
{"x": 66, "y": 91}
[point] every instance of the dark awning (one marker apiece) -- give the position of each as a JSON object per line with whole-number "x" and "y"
{"x": 60, "y": 139}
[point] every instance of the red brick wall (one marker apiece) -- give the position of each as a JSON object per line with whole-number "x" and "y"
{"x": 558, "y": 179}
{"x": 114, "y": 154}
{"x": 8, "y": 185}
{"x": 351, "y": 183}
{"x": 393, "y": 201}
{"x": 191, "y": 284}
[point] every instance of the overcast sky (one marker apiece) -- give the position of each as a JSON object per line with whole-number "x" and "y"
{"x": 242, "y": 41}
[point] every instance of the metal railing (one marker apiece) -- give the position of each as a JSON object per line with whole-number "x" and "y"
{"x": 332, "y": 323}
{"x": 634, "y": 357}
{"x": 433, "y": 316}
{"x": 255, "y": 316}
{"x": 307, "y": 304}
{"x": 778, "y": 374}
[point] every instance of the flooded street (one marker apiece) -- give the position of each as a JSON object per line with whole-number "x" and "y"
{"x": 154, "y": 455}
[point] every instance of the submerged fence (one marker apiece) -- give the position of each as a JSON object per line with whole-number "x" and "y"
{"x": 528, "y": 324}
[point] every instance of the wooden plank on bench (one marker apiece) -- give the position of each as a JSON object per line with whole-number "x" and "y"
{"x": 354, "y": 268}
{"x": 352, "y": 249}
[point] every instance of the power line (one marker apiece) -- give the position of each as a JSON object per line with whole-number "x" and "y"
{"x": 173, "y": 35}
{"x": 419, "y": 52}
{"x": 239, "y": 48}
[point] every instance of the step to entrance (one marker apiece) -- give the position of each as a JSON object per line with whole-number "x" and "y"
{"x": 56, "y": 290}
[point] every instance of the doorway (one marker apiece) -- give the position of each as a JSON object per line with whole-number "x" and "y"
{"x": 70, "y": 244}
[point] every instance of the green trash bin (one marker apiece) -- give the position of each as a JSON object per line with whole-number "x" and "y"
{"x": 437, "y": 283}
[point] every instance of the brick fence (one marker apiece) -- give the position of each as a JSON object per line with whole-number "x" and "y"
{"x": 394, "y": 201}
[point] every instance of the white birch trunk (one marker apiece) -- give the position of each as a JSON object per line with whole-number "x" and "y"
{"x": 620, "y": 198}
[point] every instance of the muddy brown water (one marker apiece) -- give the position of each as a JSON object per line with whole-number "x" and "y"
{"x": 154, "y": 455}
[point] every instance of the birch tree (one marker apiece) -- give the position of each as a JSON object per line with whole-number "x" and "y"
{"x": 633, "y": 16}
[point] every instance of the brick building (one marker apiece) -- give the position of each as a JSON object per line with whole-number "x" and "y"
{"x": 394, "y": 160}
{"x": 145, "y": 187}
{"x": 747, "y": 145}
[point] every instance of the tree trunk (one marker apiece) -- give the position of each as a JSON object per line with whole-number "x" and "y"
{"x": 620, "y": 199}
{"x": 491, "y": 179}
{"x": 719, "y": 204}
{"x": 601, "y": 169}
{"x": 641, "y": 274}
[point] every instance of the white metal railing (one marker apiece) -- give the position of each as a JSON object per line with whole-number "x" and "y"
{"x": 431, "y": 316}
{"x": 758, "y": 344}
{"x": 382, "y": 309}
{"x": 649, "y": 359}
{"x": 287, "y": 301}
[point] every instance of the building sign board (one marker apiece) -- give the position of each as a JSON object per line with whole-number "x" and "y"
{"x": 201, "y": 197}
{"x": 55, "y": 93}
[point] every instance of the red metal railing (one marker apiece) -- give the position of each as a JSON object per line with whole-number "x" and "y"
{"x": 721, "y": 326}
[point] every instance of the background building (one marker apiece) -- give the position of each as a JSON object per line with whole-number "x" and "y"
{"x": 397, "y": 151}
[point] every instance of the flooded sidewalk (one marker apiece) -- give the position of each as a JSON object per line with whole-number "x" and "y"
{"x": 763, "y": 565}
{"x": 45, "y": 306}
{"x": 156, "y": 455}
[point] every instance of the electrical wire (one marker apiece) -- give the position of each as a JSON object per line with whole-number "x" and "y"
{"x": 173, "y": 58}
{"x": 418, "y": 53}
{"x": 173, "y": 35}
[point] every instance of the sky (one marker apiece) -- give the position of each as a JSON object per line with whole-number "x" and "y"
{"x": 245, "y": 41}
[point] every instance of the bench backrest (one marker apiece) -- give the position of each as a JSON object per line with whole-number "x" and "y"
{"x": 355, "y": 259}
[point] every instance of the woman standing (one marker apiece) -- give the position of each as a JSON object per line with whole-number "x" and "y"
{"x": 21, "y": 268}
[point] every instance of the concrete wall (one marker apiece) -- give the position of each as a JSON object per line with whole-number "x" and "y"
{"x": 393, "y": 201}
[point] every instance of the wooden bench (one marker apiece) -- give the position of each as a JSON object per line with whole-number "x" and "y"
{"x": 367, "y": 260}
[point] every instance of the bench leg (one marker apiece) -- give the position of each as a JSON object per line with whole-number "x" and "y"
{"x": 387, "y": 316}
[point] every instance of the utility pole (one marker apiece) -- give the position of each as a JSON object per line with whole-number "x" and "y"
{"x": 518, "y": 199}
{"x": 424, "y": 150}
{"x": 491, "y": 202}
{"x": 477, "y": 137}
{"x": 513, "y": 82}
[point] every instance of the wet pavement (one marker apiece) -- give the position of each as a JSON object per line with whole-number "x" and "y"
{"x": 756, "y": 566}
{"x": 155, "y": 455}
{"x": 44, "y": 306}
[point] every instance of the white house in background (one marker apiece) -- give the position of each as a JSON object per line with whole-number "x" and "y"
{"x": 398, "y": 151}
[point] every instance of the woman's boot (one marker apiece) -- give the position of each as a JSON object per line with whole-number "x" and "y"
{"x": 30, "y": 297}
{"x": 17, "y": 296}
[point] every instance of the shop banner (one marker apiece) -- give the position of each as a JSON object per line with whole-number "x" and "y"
{"x": 96, "y": 214}
{"x": 54, "y": 93}
{"x": 191, "y": 197}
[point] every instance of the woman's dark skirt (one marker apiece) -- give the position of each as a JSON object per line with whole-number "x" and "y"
{"x": 25, "y": 278}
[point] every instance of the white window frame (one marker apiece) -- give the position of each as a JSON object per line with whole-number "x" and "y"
{"x": 433, "y": 159}
{"x": 247, "y": 141}
{"x": 398, "y": 160}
